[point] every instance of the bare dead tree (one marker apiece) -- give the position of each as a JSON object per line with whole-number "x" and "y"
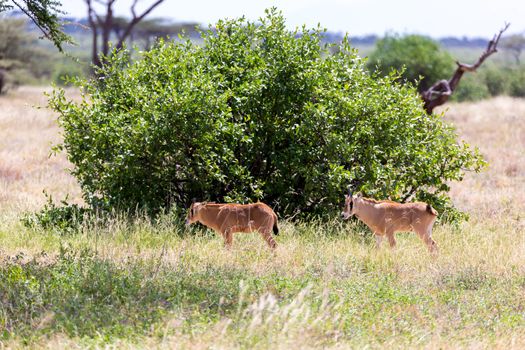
{"x": 440, "y": 92}
{"x": 102, "y": 26}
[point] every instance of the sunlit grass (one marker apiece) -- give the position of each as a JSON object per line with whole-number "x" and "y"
{"x": 325, "y": 285}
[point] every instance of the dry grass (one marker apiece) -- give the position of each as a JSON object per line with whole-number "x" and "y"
{"x": 326, "y": 285}
{"x": 26, "y": 168}
{"x": 497, "y": 128}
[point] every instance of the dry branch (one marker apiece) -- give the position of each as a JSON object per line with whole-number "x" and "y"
{"x": 440, "y": 92}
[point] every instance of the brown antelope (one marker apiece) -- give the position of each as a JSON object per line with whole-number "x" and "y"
{"x": 227, "y": 219}
{"x": 385, "y": 218}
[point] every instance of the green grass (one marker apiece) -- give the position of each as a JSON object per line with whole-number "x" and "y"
{"x": 156, "y": 284}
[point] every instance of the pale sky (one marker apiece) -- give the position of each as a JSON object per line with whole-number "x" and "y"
{"x": 437, "y": 18}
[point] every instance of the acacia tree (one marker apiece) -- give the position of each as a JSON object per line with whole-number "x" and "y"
{"x": 150, "y": 30}
{"x": 102, "y": 25}
{"x": 515, "y": 44}
{"x": 44, "y": 13}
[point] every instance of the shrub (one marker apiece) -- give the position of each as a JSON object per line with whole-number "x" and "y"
{"x": 256, "y": 112}
{"x": 517, "y": 83}
{"x": 67, "y": 218}
{"x": 491, "y": 81}
{"x": 420, "y": 59}
{"x": 65, "y": 70}
{"x": 471, "y": 88}
{"x": 21, "y": 53}
{"x": 497, "y": 80}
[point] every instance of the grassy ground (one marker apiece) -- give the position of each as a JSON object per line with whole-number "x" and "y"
{"x": 139, "y": 284}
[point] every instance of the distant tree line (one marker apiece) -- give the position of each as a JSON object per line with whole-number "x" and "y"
{"x": 372, "y": 39}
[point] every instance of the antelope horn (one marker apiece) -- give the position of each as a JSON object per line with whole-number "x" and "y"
{"x": 350, "y": 190}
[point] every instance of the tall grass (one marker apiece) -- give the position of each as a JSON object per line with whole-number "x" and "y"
{"x": 325, "y": 285}
{"x": 153, "y": 283}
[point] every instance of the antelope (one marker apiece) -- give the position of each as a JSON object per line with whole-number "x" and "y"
{"x": 227, "y": 219}
{"x": 385, "y": 218}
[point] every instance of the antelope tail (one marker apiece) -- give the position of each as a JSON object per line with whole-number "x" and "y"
{"x": 431, "y": 210}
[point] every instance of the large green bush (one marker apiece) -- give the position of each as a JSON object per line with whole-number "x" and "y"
{"x": 420, "y": 59}
{"x": 257, "y": 112}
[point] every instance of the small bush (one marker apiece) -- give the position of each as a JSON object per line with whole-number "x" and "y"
{"x": 497, "y": 80}
{"x": 65, "y": 71}
{"x": 517, "y": 83}
{"x": 80, "y": 293}
{"x": 67, "y": 218}
{"x": 471, "y": 88}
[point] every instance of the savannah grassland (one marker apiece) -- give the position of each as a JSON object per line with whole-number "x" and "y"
{"x": 151, "y": 284}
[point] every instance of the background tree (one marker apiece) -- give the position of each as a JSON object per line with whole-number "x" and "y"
{"x": 515, "y": 44}
{"x": 255, "y": 112}
{"x": 102, "y": 25}
{"x": 44, "y": 13}
{"x": 20, "y": 56}
{"x": 149, "y": 30}
{"x": 420, "y": 59}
